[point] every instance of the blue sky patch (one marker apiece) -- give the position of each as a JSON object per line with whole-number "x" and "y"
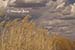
{"x": 71, "y": 1}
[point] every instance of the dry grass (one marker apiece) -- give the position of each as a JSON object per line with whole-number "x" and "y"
{"x": 74, "y": 45}
{"x": 2, "y": 11}
{"x": 24, "y": 35}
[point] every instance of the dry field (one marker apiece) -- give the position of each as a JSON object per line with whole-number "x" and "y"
{"x": 24, "y": 35}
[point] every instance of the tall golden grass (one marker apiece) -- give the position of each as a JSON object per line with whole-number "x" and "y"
{"x": 24, "y": 35}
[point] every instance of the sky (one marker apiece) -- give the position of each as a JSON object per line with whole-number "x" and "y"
{"x": 71, "y": 1}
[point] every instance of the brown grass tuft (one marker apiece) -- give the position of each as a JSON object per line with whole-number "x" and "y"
{"x": 24, "y": 35}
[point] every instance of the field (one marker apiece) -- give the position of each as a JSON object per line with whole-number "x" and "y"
{"x": 24, "y": 35}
